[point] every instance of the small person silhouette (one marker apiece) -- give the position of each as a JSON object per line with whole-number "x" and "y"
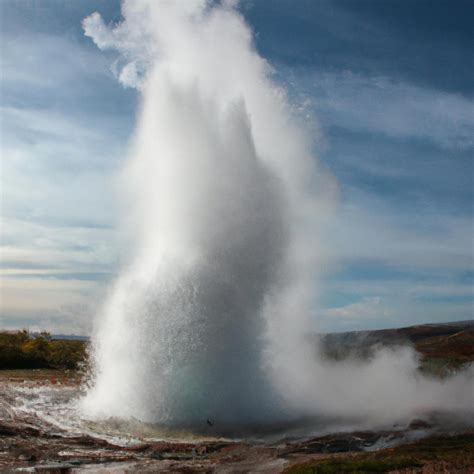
{"x": 209, "y": 422}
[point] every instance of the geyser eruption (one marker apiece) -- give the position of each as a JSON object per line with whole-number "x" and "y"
{"x": 188, "y": 314}
{"x": 217, "y": 165}
{"x": 223, "y": 201}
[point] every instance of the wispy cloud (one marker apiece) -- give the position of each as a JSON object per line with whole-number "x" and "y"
{"x": 56, "y": 60}
{"x": 368, "y": 311}
{"x": 61, "y": 144}
{"x": 67, "y": 305}
{"x": 31, "y": 245}
{"x": 368, "y": 307}
{"x": 368, "y": 229}
{"x": 388, "y": 311}
{"x": 66, "y": 121}
{"x": 374, "y": 104}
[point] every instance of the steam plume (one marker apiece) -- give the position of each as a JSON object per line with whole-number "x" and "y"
{"x": 224, "y": 201}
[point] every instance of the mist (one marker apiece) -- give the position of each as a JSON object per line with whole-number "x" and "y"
{"x": 224, "y": 203}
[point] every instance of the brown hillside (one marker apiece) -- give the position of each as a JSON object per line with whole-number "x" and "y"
{"x": 460, "y": 345}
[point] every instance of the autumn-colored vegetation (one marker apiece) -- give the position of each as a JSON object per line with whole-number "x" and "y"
{"x": 434, "y": 454}
{"x": 25, "y": 350}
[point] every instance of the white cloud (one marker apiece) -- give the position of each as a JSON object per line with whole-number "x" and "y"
{"x": 72, "y": 248}
{"x": 369, "y": 311}
{"x": 57, "y": 188}
{"x": 52, "y": 277}
{"x": 389, "y": 310}
{"x": 74, "y": 318}
{"x": 402, "y": 287}
{"x": 368, "y": 229}
{"x": 396, "y": 109}
{"x": 46, "y": 62}
{"x": 56, "y": 192}
{"x": 368, "y": 307}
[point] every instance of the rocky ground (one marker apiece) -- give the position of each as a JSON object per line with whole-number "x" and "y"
{"x": 31, "y": 439}
{"x": 29, "y": 443}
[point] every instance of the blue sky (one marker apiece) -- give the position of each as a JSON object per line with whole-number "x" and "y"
{"x": 391, "y": 86}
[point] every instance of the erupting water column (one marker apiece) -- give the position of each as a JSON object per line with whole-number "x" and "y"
{"x": 217, "y": 166}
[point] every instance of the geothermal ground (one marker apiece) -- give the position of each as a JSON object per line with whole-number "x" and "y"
{"x": 41, "y": 430}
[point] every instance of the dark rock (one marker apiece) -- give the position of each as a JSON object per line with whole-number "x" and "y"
{"x": 419, "y": 425}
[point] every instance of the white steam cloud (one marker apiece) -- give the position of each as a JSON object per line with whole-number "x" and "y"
{"x": 224, "y": 201}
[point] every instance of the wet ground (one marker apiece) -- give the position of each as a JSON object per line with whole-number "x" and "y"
{"x": 41, "y": 431}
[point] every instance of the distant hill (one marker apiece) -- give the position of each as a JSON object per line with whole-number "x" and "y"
{"x": 69, "y": 337}
{"x": 443, "y": 347}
